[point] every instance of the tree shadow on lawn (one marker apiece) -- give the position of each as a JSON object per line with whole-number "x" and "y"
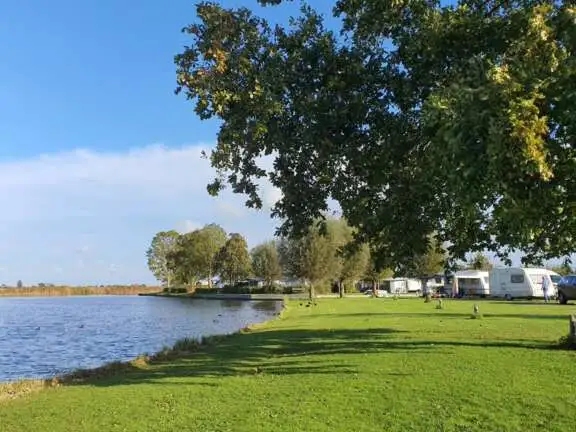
{"x": 287, "y": 352}
{"x": 440, "y": 314}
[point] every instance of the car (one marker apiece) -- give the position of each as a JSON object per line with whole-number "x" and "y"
{"x": 567, "y": 289}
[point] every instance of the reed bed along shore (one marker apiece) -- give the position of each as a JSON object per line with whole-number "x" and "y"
{"x": 55, "y": 291}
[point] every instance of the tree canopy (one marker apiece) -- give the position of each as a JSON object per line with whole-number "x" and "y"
{"x": 563, "y": 269}
{"x": 163, "y": 244}
{"x": 266, "y": 263}
{"x": 420, "y": 117}
{"x": 233, "y": 260}
{"x": 480, "y": 262}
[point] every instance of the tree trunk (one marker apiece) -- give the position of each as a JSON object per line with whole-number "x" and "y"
{"x": 311, "y": 292}
{"x": 341, "y": 289}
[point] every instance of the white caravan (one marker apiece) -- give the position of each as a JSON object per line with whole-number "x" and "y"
{"x": 434, "y": 284}
{"x": 518, "y": 282}
{"x": 401, "y": 285}
{"x": 471, "y": 283}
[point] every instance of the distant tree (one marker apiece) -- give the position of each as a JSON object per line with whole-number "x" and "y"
{"x": 266, "y": 263}
{"x": 213, "y": 239}
{"x": 188, "y": 260}
{"x": 351, "y": 258}
{"x": 354, "y": 266}
{"x": 19, "y": 284}
{"x": 193, "y": 255}
{"x": 163, "y": 244}
{"x": 563, "y": 269}
{"x": 233, "y": 260}
{"x": 289, "y": 256}
{"x": 480, "y": 262}
{"x": 375, "y": 275}
{"x": 311, "y": 258}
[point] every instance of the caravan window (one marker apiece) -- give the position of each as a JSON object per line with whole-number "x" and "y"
{"x": 516, "y": 278}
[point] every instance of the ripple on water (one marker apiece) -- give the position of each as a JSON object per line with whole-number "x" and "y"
{"x": 41, "y": 337}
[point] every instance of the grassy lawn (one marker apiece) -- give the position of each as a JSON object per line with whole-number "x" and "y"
{"x": 344, "y": 365}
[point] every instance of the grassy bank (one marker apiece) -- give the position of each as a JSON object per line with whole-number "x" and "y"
{"x": 344, "y": 365}
{"x": 56, "y": 291}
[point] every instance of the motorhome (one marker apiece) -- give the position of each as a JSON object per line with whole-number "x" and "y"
{"x": 401, "y": 285}
{"x": 518, "y": 282}
{"x": 471, "y": 283}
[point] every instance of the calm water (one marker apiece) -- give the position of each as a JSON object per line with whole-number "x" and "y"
{"x": 40, "y": 337}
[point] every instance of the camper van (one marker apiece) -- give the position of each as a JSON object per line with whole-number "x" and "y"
{"x": 401, "y": 285}
{"x": 518, "y": 282}
{"x": 471, "y": 283}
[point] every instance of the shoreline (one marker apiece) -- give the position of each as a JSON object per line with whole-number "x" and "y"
{"x": 182, "y": 348}
{"x": 243, "y": 297}
{"x": 251, "y": 297}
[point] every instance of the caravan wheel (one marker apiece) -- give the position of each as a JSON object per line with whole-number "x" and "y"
{"x": 508, "y": 297}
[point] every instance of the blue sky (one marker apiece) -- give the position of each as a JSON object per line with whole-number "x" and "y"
{"x": 96, "y": 152}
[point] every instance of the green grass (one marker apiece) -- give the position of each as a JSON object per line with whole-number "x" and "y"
{"x": 344, "y": 365}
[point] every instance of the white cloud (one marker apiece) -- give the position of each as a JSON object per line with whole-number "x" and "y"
{"x": 82, "y": 215}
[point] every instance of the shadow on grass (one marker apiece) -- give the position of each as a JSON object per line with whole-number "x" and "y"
{"x": 282, "y": 353}
{"x": 442, "y": 313}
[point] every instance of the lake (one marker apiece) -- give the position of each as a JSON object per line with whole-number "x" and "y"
{"x": 41, "y": 337}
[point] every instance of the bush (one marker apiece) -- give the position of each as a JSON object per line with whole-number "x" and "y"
{"x": 175, "y": 290}
{"x": 204, "y": 290}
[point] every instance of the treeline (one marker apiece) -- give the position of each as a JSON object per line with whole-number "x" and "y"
{"x": 55, "y": 291}
{"x": 320, "y": 261}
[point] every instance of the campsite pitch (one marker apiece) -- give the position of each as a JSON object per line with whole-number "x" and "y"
{"x": 343, "y": 365}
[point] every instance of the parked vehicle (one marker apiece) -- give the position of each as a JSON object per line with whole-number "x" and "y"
{"x": 519, "y": 282}
{"x": 567, "y": 289}
{"x": 433, "y": 285}
{"x": 401, "y": 286}
{"x": 471, "y": 283}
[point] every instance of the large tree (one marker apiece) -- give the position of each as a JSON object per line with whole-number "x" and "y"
{"x": 233, "y": 259}
{"x": 427, "y": 117}
{"x": 163, "y": 244}
{"x": 266, "y": 263}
